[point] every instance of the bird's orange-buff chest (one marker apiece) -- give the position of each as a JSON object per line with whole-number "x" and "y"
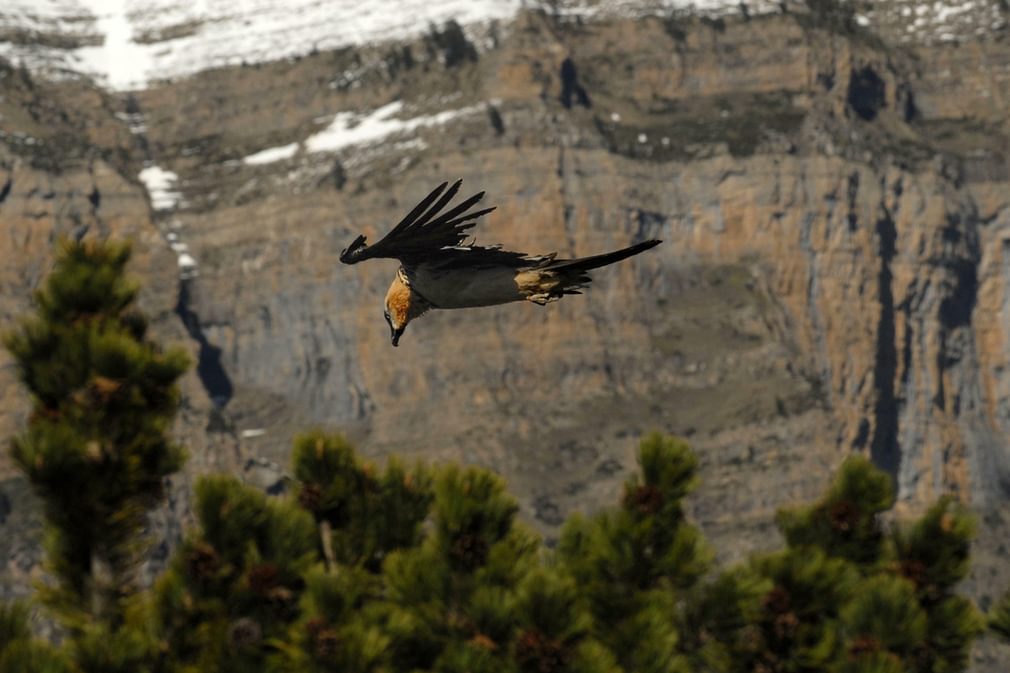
{"x": 398, "y": 301}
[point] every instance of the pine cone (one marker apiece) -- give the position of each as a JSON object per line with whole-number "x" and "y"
{"x": 647, "y": 499}
{"x": 776, "y": 601}
{"x": 470, "y": 550}
{"x": 785, "y": 625}
{"x": 310, "y": 497}
{"x": 539, "y": 654}
{"x": 202, "y": 561}
{"x": 843, "y": 515}
{"x": 325, "y": 642}
{"x": 244, "y": 632}
{"x": 863, "y": 645}
{"x": 263, "y": 578}
{"x": 914, "y": 571}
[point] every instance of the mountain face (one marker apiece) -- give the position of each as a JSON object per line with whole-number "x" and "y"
{"x": 831, "y": 189}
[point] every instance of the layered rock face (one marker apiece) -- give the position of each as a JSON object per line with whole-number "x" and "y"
{"x": 834, "y": 205}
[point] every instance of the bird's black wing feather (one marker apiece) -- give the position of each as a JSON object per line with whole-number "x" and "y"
{"x": 426, "y": 234}
{"x": 475, "y": 256}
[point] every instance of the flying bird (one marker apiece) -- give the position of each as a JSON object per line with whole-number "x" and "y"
{"x": 439, "y": 269}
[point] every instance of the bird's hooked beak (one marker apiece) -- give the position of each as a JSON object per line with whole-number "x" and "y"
{"x": 394, "y": 332}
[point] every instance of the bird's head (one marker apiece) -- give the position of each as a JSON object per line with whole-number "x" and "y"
{"x": 402, "y": 306}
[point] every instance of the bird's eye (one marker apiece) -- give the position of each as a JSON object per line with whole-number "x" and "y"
{"x": 385, "y": 314}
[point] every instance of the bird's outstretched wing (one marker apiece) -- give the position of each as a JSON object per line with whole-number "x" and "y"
{"x": 428, "y": 235}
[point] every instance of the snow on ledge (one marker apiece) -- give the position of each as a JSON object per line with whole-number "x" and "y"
{"x": 147, "y": 40}
{"x": 159, "y": 183}
{"x": 122, "y": 63}
{"x": 168, "y": 39}
{"x": 268, "y": 156}
{"x": 186, "y": 261}
{"x": 349, "y": 129}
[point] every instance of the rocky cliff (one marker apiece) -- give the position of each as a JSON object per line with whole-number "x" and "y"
{"x": 831, "y": 188}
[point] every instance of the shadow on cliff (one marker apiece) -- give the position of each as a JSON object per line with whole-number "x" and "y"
{"x": 209, "y": 368}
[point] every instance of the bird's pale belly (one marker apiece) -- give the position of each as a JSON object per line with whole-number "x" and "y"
{"x": 463, "y": 288}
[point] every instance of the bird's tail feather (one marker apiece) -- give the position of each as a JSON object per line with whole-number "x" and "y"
{"x": 596, "y": 261}
{"x": 559, "y": 277}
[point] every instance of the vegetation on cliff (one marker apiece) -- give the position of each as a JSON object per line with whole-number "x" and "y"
{"x": 428, "y": 569}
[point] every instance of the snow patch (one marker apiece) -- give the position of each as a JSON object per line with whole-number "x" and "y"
{"x": 122, "y": 63}
{"x": 146, "y": 40}
{"x": 188, "y": 267}
{"x": 186, "y": 261}
{"x": 271, "y": 155}
{"x": 634, "y": 8}
{"x": 216, "y": 33}
{"x": 159, "y": 183}
{"x": 349, "y": 129}
{"x": 66, "y": 17}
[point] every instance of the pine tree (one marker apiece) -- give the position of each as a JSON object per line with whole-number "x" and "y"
{"x": 846, "y": 596}
{"x": 795, "y": 624}
{"x": 20, "y": 652}
{"x": 933, "y": 554}
{"x": 233, "y": 587}
{"x": 846, "y": 522}
{"x": 369, "y": 571}
{"x": 999, "y": 618}
{"x": 555, "y": 627}
{"x": 636, "y": 562}
{"x": 717, "y": 610}
{"x": 884, "y": 625}
{"x": 464, "y": 596}
{"x": 96, "y": 449}
{"x": 362, "y": 516}
{"x": 798, "y": 623}
{"x": 340, "y": 628}
{"x": 452, "y": 598}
